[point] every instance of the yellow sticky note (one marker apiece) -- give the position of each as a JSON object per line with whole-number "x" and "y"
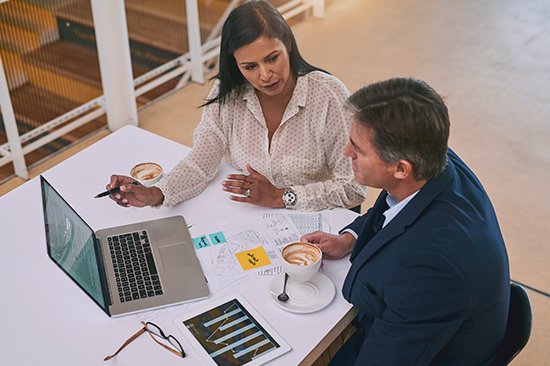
{"x": 254, "y": 258}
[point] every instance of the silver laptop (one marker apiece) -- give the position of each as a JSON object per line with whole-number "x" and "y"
{"x": 124, "y": 269}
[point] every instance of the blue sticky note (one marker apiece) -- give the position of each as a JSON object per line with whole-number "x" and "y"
{"x": 201, "y": 242}
{"x": 217, "y": 238}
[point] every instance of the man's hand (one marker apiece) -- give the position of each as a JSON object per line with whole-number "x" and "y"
{"x": 333, "y": 246}
{"x": 131, "y": 195}
{"x": 261, "y": 191}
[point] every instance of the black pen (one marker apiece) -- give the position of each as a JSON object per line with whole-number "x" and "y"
{"x": 112, "y": 191}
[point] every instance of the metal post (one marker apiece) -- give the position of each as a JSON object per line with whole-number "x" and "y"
{"x": 319, "y": 9}
{"x": 18, "y": 158}
{"x": 194, "y": 38}
{"x": 113, "y": 49}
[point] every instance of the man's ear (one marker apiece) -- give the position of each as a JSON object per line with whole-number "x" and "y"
{"x": 403, "y": 169}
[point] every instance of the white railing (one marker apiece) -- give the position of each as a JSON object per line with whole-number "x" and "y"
{"x": 119, "y": 90}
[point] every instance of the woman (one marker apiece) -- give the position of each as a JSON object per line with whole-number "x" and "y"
{"x": 273, "y": 116}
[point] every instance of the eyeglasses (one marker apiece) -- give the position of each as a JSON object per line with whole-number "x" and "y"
{"x": 154, "y": 331}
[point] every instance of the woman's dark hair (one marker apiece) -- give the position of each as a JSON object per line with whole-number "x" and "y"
{"x": 244, "y": 25}
{"x": 410, "y": 121}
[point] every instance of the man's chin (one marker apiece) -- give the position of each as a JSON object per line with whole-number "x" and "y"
{"x": 359, "y": 179}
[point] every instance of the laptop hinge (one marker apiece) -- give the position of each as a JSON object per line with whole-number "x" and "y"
{"x": 104, "y": 275}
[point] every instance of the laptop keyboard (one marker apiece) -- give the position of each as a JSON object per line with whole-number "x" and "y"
{"x": 135, "y": 270}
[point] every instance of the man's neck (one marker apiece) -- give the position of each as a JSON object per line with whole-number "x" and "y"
{"x": 405, "y": 189}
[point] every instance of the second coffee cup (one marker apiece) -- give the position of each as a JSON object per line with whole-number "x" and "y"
{"x": 301, "y": 260}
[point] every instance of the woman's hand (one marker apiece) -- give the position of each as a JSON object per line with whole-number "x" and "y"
{"x": 131, "y": 195}
{"x": 332, "y": 246}
{"x": 260, "y": 190}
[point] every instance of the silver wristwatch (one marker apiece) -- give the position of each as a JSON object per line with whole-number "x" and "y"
{"x": 289, "y": 198}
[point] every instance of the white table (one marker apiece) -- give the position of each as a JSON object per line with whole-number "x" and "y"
{"x": 48, "y": 320}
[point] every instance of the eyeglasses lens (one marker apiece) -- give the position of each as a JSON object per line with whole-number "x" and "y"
{"x": 155, "y": 330}
{"x": 161, "y": 337}
{"x": 174, "y": 342}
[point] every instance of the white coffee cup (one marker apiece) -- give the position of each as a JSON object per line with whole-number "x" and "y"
{"x": 301, "y": 260}
{"x": 147, "y": 173}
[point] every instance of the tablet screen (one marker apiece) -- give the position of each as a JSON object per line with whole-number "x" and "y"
{"x": 232, "y": 333}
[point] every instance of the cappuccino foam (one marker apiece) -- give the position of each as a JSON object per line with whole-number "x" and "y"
{"x": 146, "y": 171}
{"x": 301, "y": 255}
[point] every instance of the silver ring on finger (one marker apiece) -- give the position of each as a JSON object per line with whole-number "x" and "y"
{"x": 247, "y": 193}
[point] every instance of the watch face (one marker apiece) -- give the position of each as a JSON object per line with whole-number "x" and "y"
{"x": 289, "y": 198}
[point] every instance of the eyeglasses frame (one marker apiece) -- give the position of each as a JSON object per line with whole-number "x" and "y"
{"x": 145, "y": 328}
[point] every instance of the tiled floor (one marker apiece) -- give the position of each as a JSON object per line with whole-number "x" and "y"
{"x": 490, "y": 59}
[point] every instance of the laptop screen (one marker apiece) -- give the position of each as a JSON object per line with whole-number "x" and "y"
{"x": 71, "y": 242}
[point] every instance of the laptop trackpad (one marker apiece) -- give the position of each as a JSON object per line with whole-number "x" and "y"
{"x": 174, "y": 256}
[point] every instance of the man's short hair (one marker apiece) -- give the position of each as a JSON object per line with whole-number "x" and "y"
{"x": 410, "y": 121}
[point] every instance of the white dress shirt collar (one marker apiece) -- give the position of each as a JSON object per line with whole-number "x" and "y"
{"x": 395, "y": 206}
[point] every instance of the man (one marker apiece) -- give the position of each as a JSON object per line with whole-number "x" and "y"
{"x": 429, "y": 274}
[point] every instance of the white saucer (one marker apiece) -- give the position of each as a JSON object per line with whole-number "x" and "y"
{"x": 305, "y": 297}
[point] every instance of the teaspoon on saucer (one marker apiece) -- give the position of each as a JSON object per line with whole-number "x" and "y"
{"x": 283, "y": 296}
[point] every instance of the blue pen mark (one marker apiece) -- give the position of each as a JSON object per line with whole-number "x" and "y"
{"x": 201, "y": 242}
{"x": 217, "y": 238}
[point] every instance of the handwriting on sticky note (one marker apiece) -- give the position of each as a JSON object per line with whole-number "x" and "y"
{"x": 254, "y": 258}
{"x": 201, "y": 242}
{"x": 217, "y": 238}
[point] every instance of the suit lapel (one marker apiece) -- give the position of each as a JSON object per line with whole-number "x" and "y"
{"x": 367, "y": 232}
{"x": 371, "y": 243}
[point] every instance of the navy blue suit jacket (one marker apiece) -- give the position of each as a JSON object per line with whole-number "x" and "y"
{"x": 432, "y": 285}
